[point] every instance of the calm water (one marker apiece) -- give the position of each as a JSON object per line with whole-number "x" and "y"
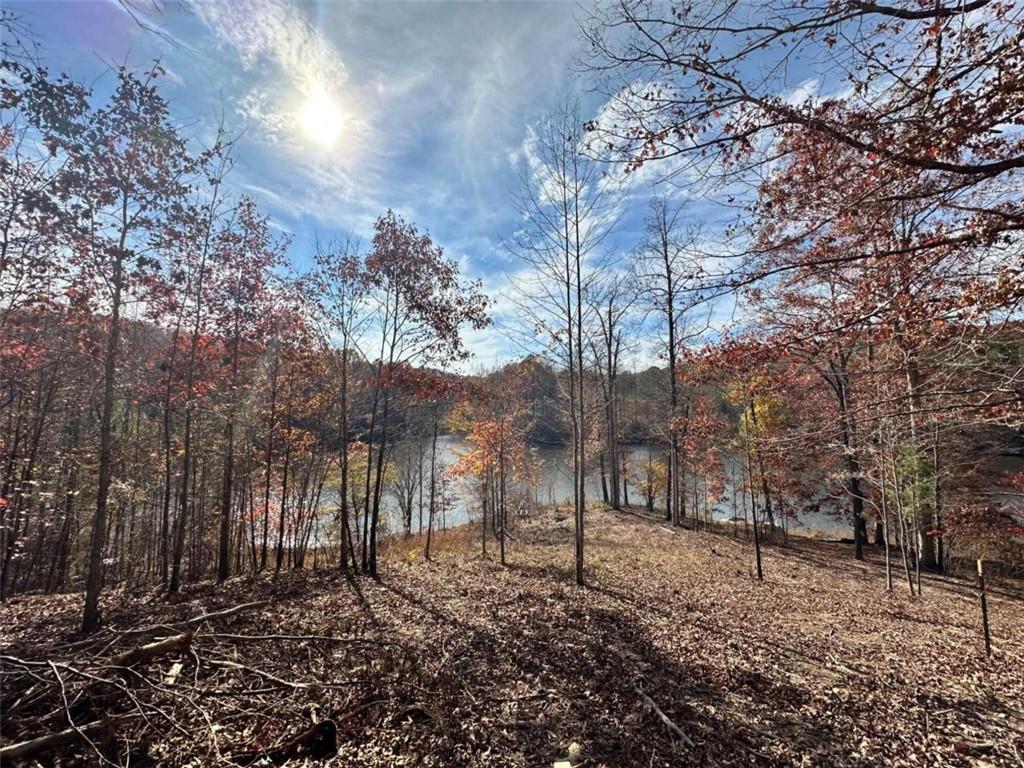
{"x": 555, "y": 487}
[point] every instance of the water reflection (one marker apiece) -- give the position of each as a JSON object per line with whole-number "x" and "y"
{"x": 461, "y": 504}
{"x": 555, "y": 487}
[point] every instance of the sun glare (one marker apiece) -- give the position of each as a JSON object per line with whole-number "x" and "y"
{"x": 320, "y": 117}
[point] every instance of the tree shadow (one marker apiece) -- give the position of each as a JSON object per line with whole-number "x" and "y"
{"x": 872, "y": 569}
{"x": 442, "y": 617}
{"x": 353, "y": 586}
{"x": 548, "y": 675}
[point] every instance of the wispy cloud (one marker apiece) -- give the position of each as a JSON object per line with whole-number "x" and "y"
{"x": 287, "y": 59}
{"x": 278, "y": 32}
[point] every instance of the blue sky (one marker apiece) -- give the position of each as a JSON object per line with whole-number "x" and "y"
{"x": 435, "y": 102}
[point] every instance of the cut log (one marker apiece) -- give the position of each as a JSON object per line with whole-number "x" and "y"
{"x": 172, "y": 674}
{"x": 574, "y": 759}
{"x": 144, "y": 653}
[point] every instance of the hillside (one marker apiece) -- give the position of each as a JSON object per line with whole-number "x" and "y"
{"x": 463, "y": 662}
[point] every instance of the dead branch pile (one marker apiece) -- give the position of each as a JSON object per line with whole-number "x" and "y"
{"x": 115, "y": 696}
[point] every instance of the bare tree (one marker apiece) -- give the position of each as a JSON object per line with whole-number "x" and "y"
{"x": 612, "y": 300}
{"x": 667, "y": 271}
{"x": 566, "y": 202}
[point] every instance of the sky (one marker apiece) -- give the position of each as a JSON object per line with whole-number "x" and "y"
{"x": 433, "y": 103}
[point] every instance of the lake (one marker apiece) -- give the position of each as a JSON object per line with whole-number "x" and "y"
{"x": 555, "y": 487}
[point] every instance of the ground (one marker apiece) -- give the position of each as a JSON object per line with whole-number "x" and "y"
{"x": 461, "y": 661}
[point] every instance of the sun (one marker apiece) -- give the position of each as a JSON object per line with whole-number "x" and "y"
{"x": 320, "y": 117}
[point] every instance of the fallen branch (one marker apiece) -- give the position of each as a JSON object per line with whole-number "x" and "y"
{"x": 321, "y": 638}
{"x": 225, "y": 613}
{"x": 265, "y": 675}
{"x": 195, "y": 620}
{"x": 315, "y": 742}
{"x": 144, "y": 653}
{"x": 339, "y": 719}
{"x": 672, "y": 727}
{"x": 51, "y": 742}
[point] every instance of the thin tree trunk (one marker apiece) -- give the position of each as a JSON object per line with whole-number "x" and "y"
{"x": 753, "y": 515}
{"x": 625, "y": 482}
{"x": 227, "y": 489}
{"x": 281, "y": 518}
{"x": 501, "y": 493}
{"x": 485, "y": 494}
{"x": 433, "y": 486}
{"x": 165, "y": 515}
{"x": 925, "y": 522}
{"x": 885, "y": 533}
{"x": 343, "y": 554}
{"x": 378, "y": 487}
{"x": 369, "y": 466}
{"x": 604, "y": 477}
{"x": 94, "y": 576}
{"x": 269, "y": 461}
{"x": 181, "y": 529}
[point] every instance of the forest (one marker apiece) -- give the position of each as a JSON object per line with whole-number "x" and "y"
{"x": 737, "y": 491}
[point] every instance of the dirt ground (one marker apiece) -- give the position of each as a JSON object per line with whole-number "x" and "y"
{"x": 672, "y": 655}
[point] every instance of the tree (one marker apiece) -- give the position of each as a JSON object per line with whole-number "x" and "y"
{"x": 708, "y": 87}
{"x": 128, "y": 184}
{"x": 244, "y": 255}
{"x": 337, "y": 281}
{"x": 612, "y": 301}
{"x": 419, "y": 304}
{"x": 918, "y": 307}
{"x": 653, "y": 480}
{"x": 565, "y": 203}
{"x": 667, "y": 268}
{"x": 199, "y": 223}
{"x": 433, "y": 392}
{"x": 495, "y": 417}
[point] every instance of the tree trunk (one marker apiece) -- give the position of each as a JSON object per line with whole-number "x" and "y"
{"x": 433, "y": 486}
{"x": 369, "y": 471}
{"x": 165, "y": 514}
{"x": 753, "y": 515}
{"x": 581, "y": 479}
{"x": 672, "y": 501}
{"x": 485, "y": 494}
{"x": 269, "y": 462}
{"x": 227, "y": 488}
{"x": 613, "y": 427}
{"x": 343, "y": 553}
{"x": 604, "y": 477}
{"x": 625, "y": 482}
{"x": 501, "y": 494}
{"x": 378, "y": 487}
{"x": 281, "y": 518}
{"x": 59, "y": 567}
{"x": 926, "y": 544}
{"x": 94, "y": 576}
